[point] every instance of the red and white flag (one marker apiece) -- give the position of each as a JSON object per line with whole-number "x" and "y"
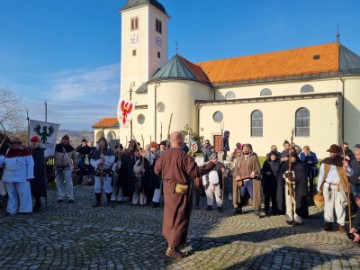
{"x": 125, "y": 111}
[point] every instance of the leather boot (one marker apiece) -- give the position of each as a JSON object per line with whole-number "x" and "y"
{"x": 108, "y": 199}
{"x": 98, "y": 198}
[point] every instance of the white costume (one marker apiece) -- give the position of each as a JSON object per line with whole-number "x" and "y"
{"x": 18, "y": 167}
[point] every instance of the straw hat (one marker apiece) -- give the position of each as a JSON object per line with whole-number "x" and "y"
{"x": 319, "y": 200}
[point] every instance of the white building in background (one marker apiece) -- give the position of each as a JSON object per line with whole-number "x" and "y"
{"x": 258, "y": 98}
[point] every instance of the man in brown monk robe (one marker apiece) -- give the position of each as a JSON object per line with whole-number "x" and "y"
{"x": 178, "y": 170}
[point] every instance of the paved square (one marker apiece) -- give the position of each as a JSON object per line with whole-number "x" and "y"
{"x": 77, "y": 236}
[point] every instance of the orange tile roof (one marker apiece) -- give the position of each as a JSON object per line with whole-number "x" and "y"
{"x": 106, "y": 122}
{"x": 285, "y": 63}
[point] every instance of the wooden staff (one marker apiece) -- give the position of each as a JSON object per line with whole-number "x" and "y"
{"x": 160, "y": 132}
{"x": 344, "y": 159}
{"x": 142, "y": 164}
{"x": 222, "y": 148}
{"x": 168, "y": 135}
{"x": 101, "y": 174}
{"x": 290, "y": 184}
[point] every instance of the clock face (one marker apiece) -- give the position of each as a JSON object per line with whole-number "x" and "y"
{"x": 134, "y": 38}
{"x": 158, "y": 41}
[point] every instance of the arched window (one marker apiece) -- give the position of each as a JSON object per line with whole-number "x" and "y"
{"x": 307, "y": 88}
{"x": 302, "y": 122}
{"x": 266, "y": 92}
{"x": 110, "y": 136}
{"x": 256, "y": 124}
{"x": 99, "y": 134}
{"x": 230, "y": 95}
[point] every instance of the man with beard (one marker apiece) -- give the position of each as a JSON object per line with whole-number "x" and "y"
{"x": 270, "y": 171}
{"x": 292, "y": 191}
{"x": 65, "y": 162}
{"x": 178, "y": 170}
{"x": 333, "y": 183}
{"x": 102, "y": 160}
{"x": 247, "y": 178}
{"x": 310, "y": 161}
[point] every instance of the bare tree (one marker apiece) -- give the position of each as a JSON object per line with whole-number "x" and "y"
{"x": 11, "y": 111}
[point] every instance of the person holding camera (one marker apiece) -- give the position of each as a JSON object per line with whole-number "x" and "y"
{"x": 354, "y": 233}
{"x": 310, "y": 161}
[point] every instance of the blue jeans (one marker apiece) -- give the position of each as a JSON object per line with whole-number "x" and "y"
{"x": 64, "y": 184}
{"x": 248, "y": 185}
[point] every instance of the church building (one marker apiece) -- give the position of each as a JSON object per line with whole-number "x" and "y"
{"x": 260, "y": 98}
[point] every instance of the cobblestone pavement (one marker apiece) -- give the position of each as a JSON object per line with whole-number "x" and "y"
{"x": 77, "y": 236}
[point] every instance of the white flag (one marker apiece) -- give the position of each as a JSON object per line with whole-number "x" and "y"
{"x": 125, "y": 111}
{"x": 47, "y": 132}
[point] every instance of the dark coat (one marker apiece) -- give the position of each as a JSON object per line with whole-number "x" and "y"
{"x": 153, "y": 179}
{"x": 38, "y": 183}
{"x": 123, "y": 175}
{"x": 144, "y": 182}
{"x": 300, "y": 189}
{"x": 269, "y": 182}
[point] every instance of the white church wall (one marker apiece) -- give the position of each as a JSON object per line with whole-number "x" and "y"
{"x": 178, "y": 98}
{"x": 352, "y": 111}
{"x": 280, "y": 88}
{"x": 278, "y": 121}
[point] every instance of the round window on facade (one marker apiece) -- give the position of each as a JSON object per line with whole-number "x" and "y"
{"x": 230, "y": 95}
{"x": 160, "y": 107}
{"x": 141, "y": 119}
{"x": 218, "y": 116}
{"x": 266, "y": 92}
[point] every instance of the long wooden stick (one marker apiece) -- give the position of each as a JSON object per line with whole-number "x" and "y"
{"x": 290, "y": 185}
{"x": 168, "y": 138}
{"x": 344, "y": 159}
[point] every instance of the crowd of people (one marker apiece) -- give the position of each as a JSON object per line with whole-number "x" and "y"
{"x": 284, "y": 182}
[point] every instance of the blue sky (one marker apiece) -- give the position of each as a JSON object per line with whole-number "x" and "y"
{"x": 67, "y": 52}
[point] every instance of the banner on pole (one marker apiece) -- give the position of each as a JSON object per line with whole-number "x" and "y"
{"x": 125, "y": 111}
{"x": 47, "y": 132}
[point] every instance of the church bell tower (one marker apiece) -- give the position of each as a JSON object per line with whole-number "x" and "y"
{"x": 144, "y": 45}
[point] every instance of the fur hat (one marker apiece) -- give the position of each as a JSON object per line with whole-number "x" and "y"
{"x": 153, "y": 145}
{"x": 334, "y": 148}
{"x": 35, "y": 139}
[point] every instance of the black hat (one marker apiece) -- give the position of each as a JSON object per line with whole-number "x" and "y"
{"x": 162, "y": 143}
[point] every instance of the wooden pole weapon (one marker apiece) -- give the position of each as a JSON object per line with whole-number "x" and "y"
{"x": 222, "y": 148}
{"x": 160, "y": 132}
{"x": 168, "y": 135}
{"x": 290, "y": 184}
{"x": 101, "y": 175}
{"x": 344, "y": 159}
{"x": 142, "y": 164}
